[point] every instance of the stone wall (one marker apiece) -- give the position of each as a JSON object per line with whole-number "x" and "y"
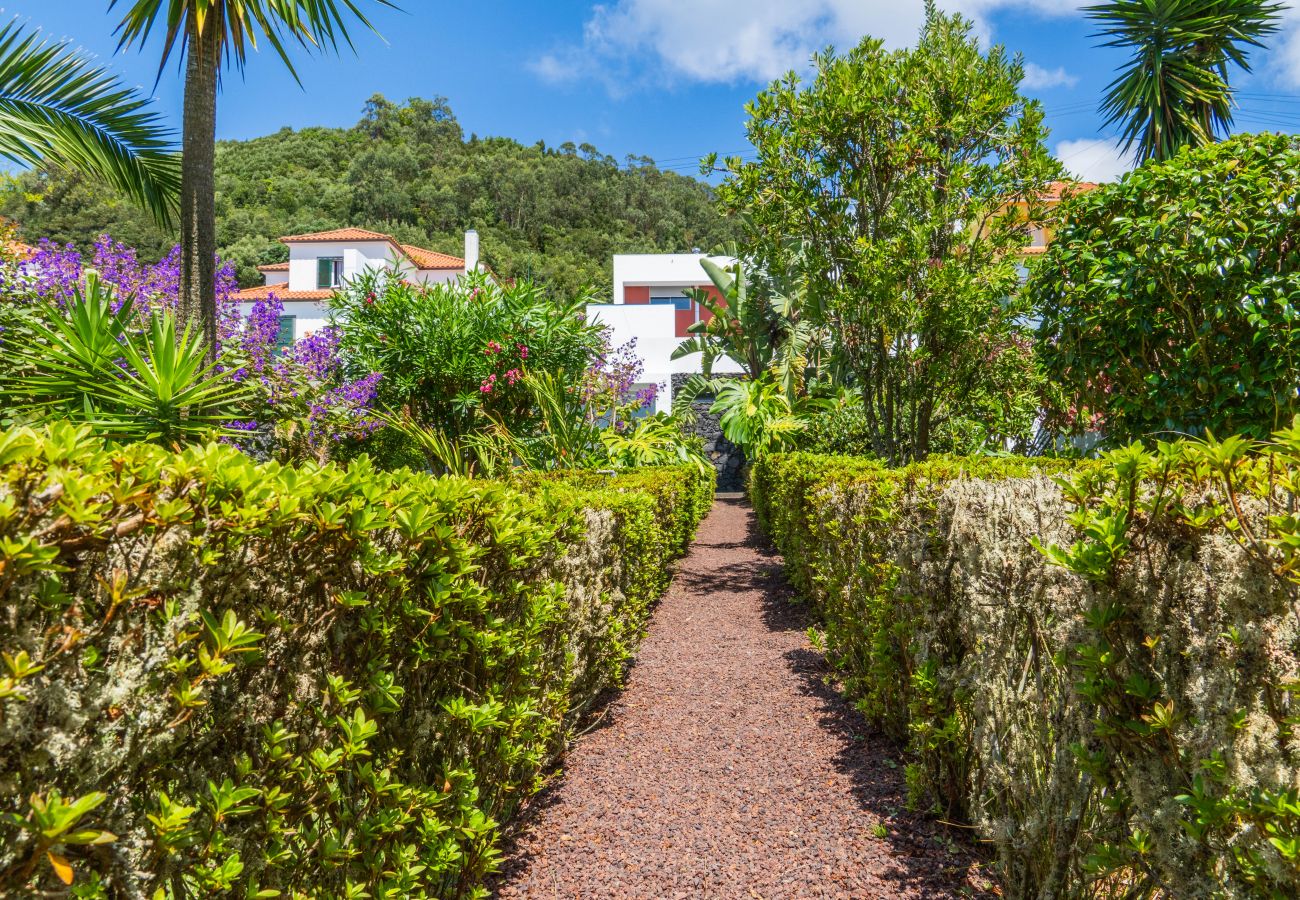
{"x": 727, "y": 458}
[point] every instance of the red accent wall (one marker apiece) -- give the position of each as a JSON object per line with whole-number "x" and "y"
{"x": 684, "y": 318}
{"x": 715, "y": 295}
{"x": 632, "y": 294}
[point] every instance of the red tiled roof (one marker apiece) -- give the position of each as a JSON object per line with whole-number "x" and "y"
{"x": 422, "y": 258}
{"x": 263, "y": 291}
{"x": 275, "y": 267}
{"x": 337, "y": 234}
{"x": 431, "y": 259}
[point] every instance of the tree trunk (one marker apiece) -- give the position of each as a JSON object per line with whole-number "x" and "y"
{"x": 198, "y": 299}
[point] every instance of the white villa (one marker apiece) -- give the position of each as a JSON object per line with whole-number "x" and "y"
{"x": 650, "y": 305}
{"x": 324, "y": 261}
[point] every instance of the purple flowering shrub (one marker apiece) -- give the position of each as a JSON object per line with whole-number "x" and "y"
{"x": 609, "y": 385}
{"x": 300, "y": 399}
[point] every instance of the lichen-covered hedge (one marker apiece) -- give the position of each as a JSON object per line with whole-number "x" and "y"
{"x": 225, "y": 676}
{"x": 1115, "y": 711}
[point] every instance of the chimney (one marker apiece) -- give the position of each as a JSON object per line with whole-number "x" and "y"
{"x": 471, "y": 251}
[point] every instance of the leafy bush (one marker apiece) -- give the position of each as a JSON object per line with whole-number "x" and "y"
{"x": 1116, "y": 720}
{"x": 451, "y": 354}
{"x": 221, "y": 675}
{"x": 1170, "y": 300}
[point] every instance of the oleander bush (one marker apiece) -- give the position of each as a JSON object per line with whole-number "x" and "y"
{"x": 1097, "y": 670}
{"x": 222, "y": 676}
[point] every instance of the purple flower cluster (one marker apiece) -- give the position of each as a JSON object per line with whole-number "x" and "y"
{"x": 609, "y": 386}
{"x": 303, "y": 384}
{"x": 54, "y": 273}
{"x": 300, "y": 384}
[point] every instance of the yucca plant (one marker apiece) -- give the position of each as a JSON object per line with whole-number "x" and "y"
{"x": 1174, "y": 90}
{"x": 57, "y": 108}
{"x": 88, "y": 363}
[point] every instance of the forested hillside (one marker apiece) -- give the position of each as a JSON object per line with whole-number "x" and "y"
{"x": 556, "y": 214}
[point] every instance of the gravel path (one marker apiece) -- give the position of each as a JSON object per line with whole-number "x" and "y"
{"x": 728, "y": 768}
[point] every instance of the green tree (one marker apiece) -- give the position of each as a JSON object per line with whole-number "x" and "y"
{"x": 552, "y": 215}
{"x": 1174, "y": 90}
{"x": 59, "y": 110}
{"x": 1171, "y": 301}
{"x": 210, "y": 34}
{"x": 900, "y": 171}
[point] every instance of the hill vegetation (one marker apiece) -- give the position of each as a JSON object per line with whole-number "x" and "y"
{"x": 553, "y": 214}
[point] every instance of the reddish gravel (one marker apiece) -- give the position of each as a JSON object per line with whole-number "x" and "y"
{"x": 728, "y": 768}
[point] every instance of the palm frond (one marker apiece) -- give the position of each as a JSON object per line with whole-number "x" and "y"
{"x": 238, "y": 25}
{"x": 58, "y": 108}
{"x": 1174, "y": 90}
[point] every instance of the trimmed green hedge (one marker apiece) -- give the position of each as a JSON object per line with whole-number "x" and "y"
{"x": 229, "y": 676}
{"x": 1114, "y": 713}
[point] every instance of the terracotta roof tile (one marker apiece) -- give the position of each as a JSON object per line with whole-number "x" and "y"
{"x": 422, "y": 258}
{"x": 432, "y": 259}
{"x": 263, "y": 291}
{"x": 275, "y": 267}
{"x": 337, "y": 234}
{"x": 1057, "y": 188}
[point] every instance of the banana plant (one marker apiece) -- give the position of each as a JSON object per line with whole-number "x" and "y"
{"x": 757, "y": 320}
{"x": 655, "y": 441}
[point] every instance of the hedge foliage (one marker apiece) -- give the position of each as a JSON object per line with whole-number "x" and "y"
{"x": 221, "y": 675}
{"x": 1113, "y": 712}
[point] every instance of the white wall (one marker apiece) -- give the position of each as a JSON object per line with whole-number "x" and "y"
{"x": 275, "y": 278}
{"x": 309, "y": 315}
{"x": 656, "y": 339}
{"x": 358, "y": 257}
{"x": 661, "y": 269}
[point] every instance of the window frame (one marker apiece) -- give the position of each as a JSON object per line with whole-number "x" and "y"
{"x": 336, "y": 272}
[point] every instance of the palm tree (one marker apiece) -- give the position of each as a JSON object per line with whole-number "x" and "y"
{"x": 210, "y": 34}
{"x": 57, "y": 108}
{"x": 1174, "y": 91}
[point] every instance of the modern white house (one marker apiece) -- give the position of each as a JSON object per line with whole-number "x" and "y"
{"x": 650, "y": 304}
{"x": 322, "y": 262}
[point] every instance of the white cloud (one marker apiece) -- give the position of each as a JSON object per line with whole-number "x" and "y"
{"x": 1095, "y": 159}
{"x": 1038, "y": 78}
{"x": 643, "y": 42}
{"x": 1285, "y": 58}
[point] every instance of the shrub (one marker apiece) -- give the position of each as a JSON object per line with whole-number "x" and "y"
{"x": 1170, "y": 300}
{"x": 319, "y": 681}
{"x": 451, "y": 352}
{"x": 1116, "y": 720}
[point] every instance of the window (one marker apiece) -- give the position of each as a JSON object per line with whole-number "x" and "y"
{"x": 681, "y": 303}
{"x": 284, "y": 338}
{"x": 329, "y": 272}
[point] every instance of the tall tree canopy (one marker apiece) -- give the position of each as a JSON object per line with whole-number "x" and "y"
{"x": 899, "y": 171}
{"x": 556, "y": 214}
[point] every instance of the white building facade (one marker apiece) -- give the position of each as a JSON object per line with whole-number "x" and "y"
{"x": 650, "y": 304}
{"x": 323, "y": 262}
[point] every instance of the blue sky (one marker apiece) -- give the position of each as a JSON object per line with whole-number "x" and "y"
{"x": 664, "y": 78}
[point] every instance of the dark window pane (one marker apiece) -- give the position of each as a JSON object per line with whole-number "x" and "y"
{"x": 682, "y": 303}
